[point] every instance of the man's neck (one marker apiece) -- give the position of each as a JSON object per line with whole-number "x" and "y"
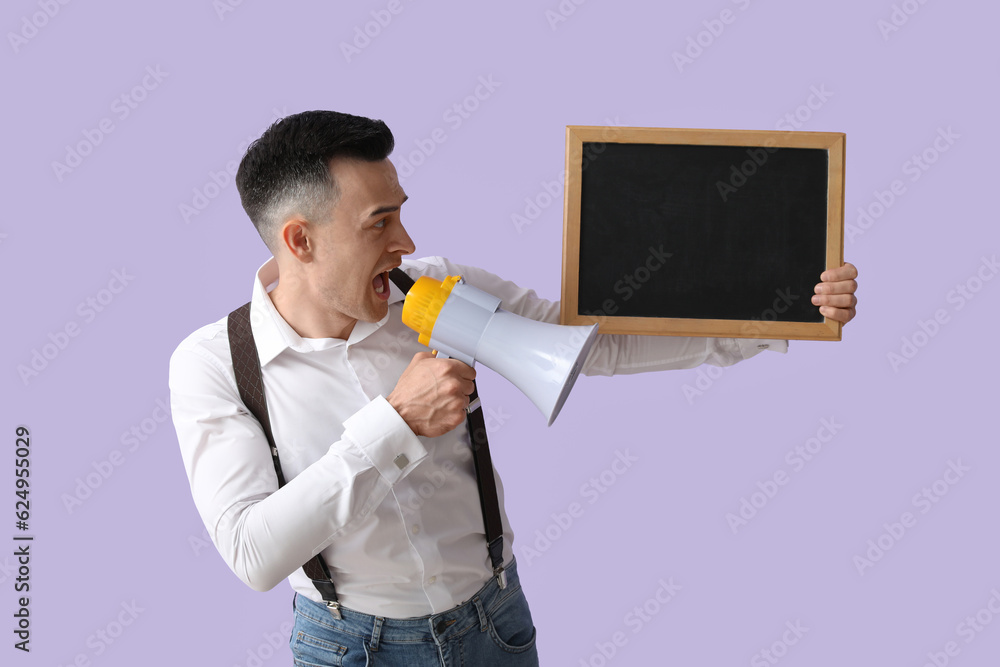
{"x": 300, "y": 308}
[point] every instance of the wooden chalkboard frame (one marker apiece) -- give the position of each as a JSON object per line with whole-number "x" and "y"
{"x": 577, "y": 136}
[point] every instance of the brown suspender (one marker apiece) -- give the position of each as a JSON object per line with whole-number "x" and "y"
{"x": 246, "y": 365}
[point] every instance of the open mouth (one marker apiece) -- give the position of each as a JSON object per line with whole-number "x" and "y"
{"x": 381, "y": 285}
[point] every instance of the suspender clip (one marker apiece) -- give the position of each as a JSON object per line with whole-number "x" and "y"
{"x": 501, "y": 576}
{"x": 334, "y": 608}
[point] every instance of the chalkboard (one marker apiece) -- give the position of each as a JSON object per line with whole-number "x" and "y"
{"x": 701, "y": 232}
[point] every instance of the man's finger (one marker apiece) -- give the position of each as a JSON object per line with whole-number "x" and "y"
{"x": 846, "y": 272}
{"x": 835, "y": 300}
{"x": 843, "y": 315}
{"x": 465, "y": 371}
{"x": 839, "y": 287}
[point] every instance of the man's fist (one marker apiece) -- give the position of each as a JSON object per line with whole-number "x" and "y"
{"x": 835, "y": 294}
{"x": 432, "y": 394}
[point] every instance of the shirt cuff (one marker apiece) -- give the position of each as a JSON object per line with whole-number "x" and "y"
{"x": 753, "y": 346}
{"x": 385, "y": 439}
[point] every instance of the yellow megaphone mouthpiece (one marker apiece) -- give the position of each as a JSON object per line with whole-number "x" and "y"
{"x": 424, "y": 302}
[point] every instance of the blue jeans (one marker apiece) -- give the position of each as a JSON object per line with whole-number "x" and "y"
{"x": 493, "y": 628}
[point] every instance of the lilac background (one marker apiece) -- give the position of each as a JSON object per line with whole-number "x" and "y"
{"x": 137, "y": 537}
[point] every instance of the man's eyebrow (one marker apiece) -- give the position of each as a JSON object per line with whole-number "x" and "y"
{"x": 387, "y": 209}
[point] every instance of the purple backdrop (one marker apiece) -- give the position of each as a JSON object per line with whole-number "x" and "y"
{"x": 834, "y": 506}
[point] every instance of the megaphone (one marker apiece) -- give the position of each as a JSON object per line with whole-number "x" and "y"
{"x": 460, "y": 321}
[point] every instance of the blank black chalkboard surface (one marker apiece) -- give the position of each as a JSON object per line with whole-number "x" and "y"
{"x": 701, "y": 232}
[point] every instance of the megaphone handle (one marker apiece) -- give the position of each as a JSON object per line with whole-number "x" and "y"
{"x": 474, "y": 402}
{"x": 445, "y": 351}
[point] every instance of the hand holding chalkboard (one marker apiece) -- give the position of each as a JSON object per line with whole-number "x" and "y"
{"x": 835, "y": 295}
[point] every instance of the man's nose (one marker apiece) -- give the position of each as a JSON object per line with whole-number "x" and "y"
{"x": 402, "y": 242}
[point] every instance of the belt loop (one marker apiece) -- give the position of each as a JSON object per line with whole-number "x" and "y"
{"x": 376, "y": 633}
{"x": 483, "y": 621}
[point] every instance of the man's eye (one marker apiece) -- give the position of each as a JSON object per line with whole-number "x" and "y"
{"x": 380, "y": 224}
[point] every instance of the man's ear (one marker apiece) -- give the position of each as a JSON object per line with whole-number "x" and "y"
{"x": 295, "y": 237}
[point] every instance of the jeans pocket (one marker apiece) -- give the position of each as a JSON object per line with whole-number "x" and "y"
{"x": 511, "y": 627}
{"x": 310, "y": 651}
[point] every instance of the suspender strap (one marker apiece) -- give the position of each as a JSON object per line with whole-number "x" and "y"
{"x": 488, "y": 501}
{"x": 246, "y": 365}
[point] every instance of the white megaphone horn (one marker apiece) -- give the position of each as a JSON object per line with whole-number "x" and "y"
{"x": 465, "y": 323}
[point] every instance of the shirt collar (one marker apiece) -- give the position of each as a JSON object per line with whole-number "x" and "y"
{"x": 273, "y": 334}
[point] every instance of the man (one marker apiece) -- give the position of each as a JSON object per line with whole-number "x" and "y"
{"x": 370, "y": 426}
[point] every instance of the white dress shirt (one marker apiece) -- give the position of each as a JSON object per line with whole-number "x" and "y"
{"x": 400, "y": 542}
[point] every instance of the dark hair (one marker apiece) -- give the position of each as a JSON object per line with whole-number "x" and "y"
{"x": 287, "y": 170}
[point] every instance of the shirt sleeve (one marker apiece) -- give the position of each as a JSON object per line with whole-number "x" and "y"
{"x": 265, "y": 533}
{"x": 612, "y": 354}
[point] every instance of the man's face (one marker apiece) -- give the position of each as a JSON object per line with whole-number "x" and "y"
{"x": 362, "y": 241}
